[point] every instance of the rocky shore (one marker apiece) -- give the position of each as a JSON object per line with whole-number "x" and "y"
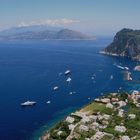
{"x": 126, "y": 43}
{"x": 115, "y": 116}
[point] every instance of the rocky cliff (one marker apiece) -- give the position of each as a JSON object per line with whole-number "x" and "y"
{"x": 126, "y": 43}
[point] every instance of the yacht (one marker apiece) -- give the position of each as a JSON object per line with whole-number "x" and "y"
{"x": 48, "y": 102}
{"x": 69, "y": 79}
{"x": 67, "y": 72}
{"x": 28, "y": 103}
{"x": 55, "y": 88}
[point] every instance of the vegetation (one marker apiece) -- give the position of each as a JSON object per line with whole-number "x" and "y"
{"x": 126, "y": 43}
{"x": 97, "y": 117}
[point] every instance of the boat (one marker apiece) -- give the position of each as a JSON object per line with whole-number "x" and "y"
{"x": 92, "y": 78}
{"x": 60, "y": 73}
{"x": 71, "y": 93}
{"x": 120, "y": 67}
{"x": 28, "y": 103}
{"x": 48, "y": 102}
{"x": 111, "y": 77}
{"x": 130, "y": 79}
{"x": 69, "y": 79}
{"x": 127, "y": 76}
{"x": 126, "y": 68}
{"x": 67, "y": 72}
{"x": 56, "y": 88}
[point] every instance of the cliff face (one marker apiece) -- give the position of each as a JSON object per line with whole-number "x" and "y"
{"x": 126, "y": 43}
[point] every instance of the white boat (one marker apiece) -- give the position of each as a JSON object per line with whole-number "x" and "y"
{"x": 69, "y": 79}
{"x": 56, "y": 88}
{"x": 120, "y": 67}
{"x": 111, "y": 77}
{"x": 92, "y": 78}
{"x": 48, "y": 102}
{"x": 71, "y": 93}
{"x": 130, "y": 79}
{"x": 126, "y": 68}
{"x": 67, "y": 72}
{"x": 28, "y": 103}
{"x": 60, "y": 73}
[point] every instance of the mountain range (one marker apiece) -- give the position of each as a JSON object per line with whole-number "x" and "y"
{"x": 42, "y": 32}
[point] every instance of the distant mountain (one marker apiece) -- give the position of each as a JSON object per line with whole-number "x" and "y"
{"x": 70, "y": 34}
{"x": 126, "y": 43}
{"x": 41, "y": 33}
{"x": 34, "y": 28}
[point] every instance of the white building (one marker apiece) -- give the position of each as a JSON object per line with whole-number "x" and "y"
{"x": 69, "y": 119}
{"x": 120, "y": 128}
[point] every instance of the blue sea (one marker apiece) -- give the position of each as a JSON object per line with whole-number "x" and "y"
{"x": 29, "y": 71}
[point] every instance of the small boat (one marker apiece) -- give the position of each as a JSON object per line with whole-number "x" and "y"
{"x": 120, "y": 88}
{"x": 67, "y": 72}
{"x": 130, "y": 79}
{"x": 60, "y": 73}
{"x": 56, "y": 88}
{"x": 126, "y": 68}
{"x": 111, "y": 77}
{"x": 92, "y": 78}
{"x": 120, "y": 67}
{"x": 28, "y": 103}
{"x": 48, "y": 102}
{"x": 71, "y": 93}
{"x": 69, "y": 79}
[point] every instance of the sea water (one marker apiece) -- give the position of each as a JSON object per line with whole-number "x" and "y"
{"x": 29, "y": 71}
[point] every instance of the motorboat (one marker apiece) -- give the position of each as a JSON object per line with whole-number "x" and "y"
{"x": 69, "y": 79}
{"x": 28, "y": 103}
{"x": 111, "y": 77}
{"x": 67, "y": 72}
{"x": 56, "y": 88}
{"x": 48, "y": 102}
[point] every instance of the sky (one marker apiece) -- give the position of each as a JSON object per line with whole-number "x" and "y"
{"x": 96, "y": 17}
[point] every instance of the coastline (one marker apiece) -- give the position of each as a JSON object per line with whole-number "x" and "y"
{"x": 47, "y": 126}
{"x": 103, "y": 106}
{"x": 110, "y": 54}
{"x": 117, "y": 55}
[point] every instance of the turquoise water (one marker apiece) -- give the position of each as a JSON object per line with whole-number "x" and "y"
{"x": 30, "y": 71}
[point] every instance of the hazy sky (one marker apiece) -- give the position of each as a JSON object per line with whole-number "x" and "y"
{"x": 99, "y": 17}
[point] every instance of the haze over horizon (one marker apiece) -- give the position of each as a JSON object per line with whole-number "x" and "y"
{"x": 96, "y": 17}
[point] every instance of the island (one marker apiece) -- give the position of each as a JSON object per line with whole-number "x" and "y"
{"x": 126, "y": 43}
{"x": 41, "y": 32}
{"x": 114, "y": 116}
